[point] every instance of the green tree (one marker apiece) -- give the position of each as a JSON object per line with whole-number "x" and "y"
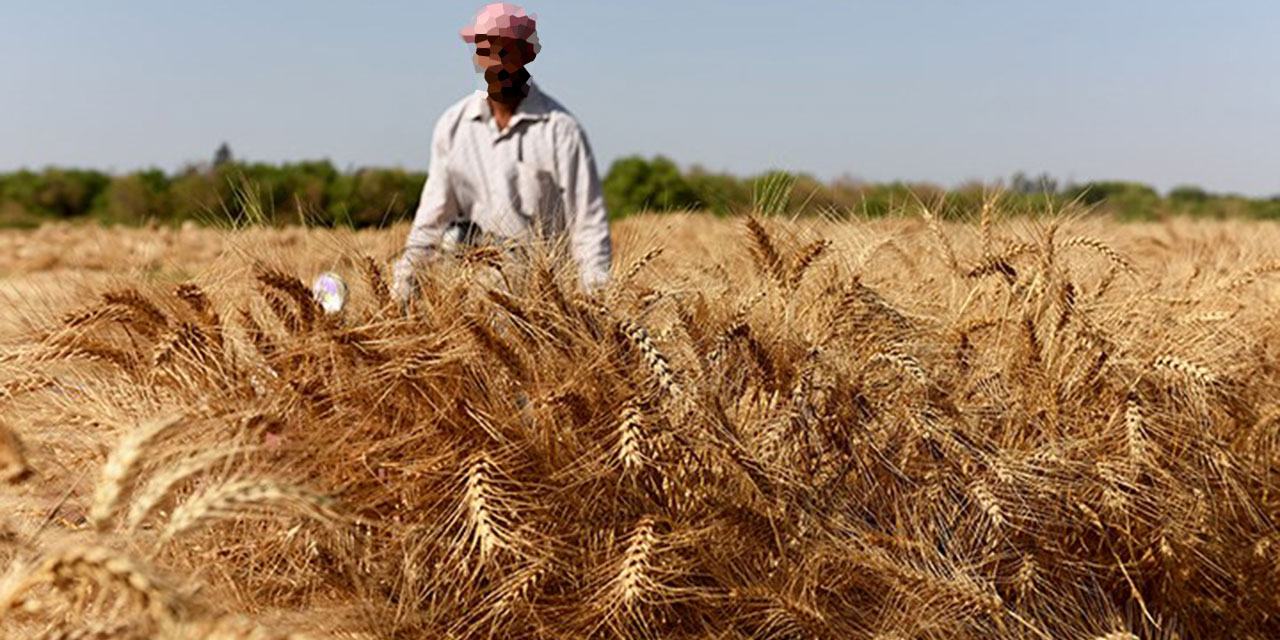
{"x": 66, "y": 193}
{"x": 721, "y": 193}
{"x": 222, "y": 156}
{"x": 136, "y": 198}
{"x": 371, "y": 197}
{"x": 635, "y": 184}
{"x": 198, "y": 194}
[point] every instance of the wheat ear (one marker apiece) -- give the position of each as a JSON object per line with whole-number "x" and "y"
{"x": 121, "y": 467}
{"x": 638, "y": 266}
{"x": 232, "y": 499}
{"x": 1252, "y": 274}
{"x": 377, "y": 282}
{"x": 987, "y": 501}
{"x": 634, "y": 581}
{"x": 13, "y": 459}
{"x": 936, "y": 227}
{"x": 1135, "y": 434}
{"x": 1187, "y": 369}
{"x": 657, "y": 363}
{"x": 905, "y": 362}
{"x": 766, "y": 254}
{"x": 631, "y": 437}
{"x": 196, "y": 299}
{"x": 809, "y": 255}
{"x": 97, "y": 631}
{"x": 494, "y": 344}
{"x": 149, "y": 319}
{"x": 292, "y": 287}
{"x": 1102, "y": 248}
{"x": 149, "y": 497}
{"x": 100, "y": 566}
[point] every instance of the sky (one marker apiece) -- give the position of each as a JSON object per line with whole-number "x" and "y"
{"x": 1166, "y": 92}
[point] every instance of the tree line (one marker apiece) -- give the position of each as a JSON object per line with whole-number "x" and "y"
{"x": 320, "y": 194}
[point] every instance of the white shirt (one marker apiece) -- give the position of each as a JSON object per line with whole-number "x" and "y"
{"x": 536, "y": 178}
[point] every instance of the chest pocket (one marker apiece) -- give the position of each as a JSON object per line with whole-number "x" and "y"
{"x": 539, "y": 198}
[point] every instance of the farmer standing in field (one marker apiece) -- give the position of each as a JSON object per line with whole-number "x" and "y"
{"x": 508, "y": 163}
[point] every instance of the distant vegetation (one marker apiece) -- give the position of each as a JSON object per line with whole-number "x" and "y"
{"x": 326, "y": 196}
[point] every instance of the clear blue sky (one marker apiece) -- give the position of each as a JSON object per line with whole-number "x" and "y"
{"x": 1162, "y": 91}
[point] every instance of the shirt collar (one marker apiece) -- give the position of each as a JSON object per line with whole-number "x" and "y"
{"x": 533, "y": 107}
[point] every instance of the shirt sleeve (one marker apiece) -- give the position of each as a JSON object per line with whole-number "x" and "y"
{"x": 585, "y": 214}
{"x": 437, "y": 208}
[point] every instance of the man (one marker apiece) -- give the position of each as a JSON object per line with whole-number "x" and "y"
{"x": 508, "y": 163}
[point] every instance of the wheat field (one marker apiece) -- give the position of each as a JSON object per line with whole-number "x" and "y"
{"x": 1054, "y": 427}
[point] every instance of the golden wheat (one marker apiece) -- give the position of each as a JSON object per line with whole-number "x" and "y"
{"x": 121, "y": 466}
{"x": 886, "y": 446}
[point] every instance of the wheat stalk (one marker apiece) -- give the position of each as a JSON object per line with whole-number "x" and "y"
{"x": 150, "y": 495}
{"x": 234, "y": 498}
{"x": 121, "y": 466}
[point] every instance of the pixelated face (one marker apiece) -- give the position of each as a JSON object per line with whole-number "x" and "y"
{"x": 495, "y": 54}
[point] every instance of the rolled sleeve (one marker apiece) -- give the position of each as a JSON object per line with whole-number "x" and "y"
{"x": 437, "y": 208}
{"x": 585, "y": 214}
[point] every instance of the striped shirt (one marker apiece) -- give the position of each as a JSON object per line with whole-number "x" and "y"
{"x": 535, "y": 179}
